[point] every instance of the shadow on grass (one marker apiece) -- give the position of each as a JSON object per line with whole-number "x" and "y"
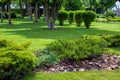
{"x": 31, "y": 30}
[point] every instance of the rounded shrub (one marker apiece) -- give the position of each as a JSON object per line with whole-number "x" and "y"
{"x": 62, "y": 16}
{"x": 15, "y": 64}
{"x": 15, "y": 60}
{"x": 88, "y": 17}
{"x": 110, "y": 14}
{"x": 79, "y": 17}
{"x": 71, "y": 17}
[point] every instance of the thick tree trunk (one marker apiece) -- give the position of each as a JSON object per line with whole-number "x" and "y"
{"x": 29, "y": 10}
{"x": 21, "y": 9}
{"x": 9, "y": 12}
{"x": 36, "y": 12}
{"x": 1, "y": 13}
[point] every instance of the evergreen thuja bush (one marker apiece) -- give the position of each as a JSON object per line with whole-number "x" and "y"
{"x": 15, "y": 60}
{"x": 88, "y": 17}
{"x": 62, "y": 16}
{"x": 71, "y": 17}
{"x": 79, "y": 17}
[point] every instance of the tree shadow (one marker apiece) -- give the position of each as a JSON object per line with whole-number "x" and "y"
{"x": 31, "y": 30}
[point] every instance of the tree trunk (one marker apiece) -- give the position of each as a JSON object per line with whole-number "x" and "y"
{"x": 107, "y": 15}
{"x": 1, "y": 13}
{"x": 29, "y": 10}
{"x": 52, "y": 15}
{"x": 21, "y": 9}
{"x": 36, "y": 12}
{"x": 9, "y": 12}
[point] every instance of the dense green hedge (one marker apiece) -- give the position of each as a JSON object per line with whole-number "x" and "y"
{"x": 62, "y": 16}
{"x": 88, "y": 17}
{"x": 15, "y": 60}
{"x": 71, "y": 17}
{"x": 79, "y": 17}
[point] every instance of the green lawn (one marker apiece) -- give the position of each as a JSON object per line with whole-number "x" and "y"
{"x": 87, "y": 75}
{"x": 23, "y": 30}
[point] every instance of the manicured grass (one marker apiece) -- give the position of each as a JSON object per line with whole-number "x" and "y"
{"x": 23, "y": 30}
{"x": 87, "y": 75}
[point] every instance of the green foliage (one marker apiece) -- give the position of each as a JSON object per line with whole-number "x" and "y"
{"x": 110, "y": 14}
{"x": 73, "y": 5}
{"x": 114, "y": 40}
{"x": 15, "y": 60}
{"x": 62, "y": 16}
{"x": 71, "y": 17}
{"x": 85, "y": 47}
{"x": 15, "y": 64}
{"x": 9, "y": 45}
{"x": 79, "y": 17}
{"x": 88, "y": 17}
{"x": 45, "y": 58}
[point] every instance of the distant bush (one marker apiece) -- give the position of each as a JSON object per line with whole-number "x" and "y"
{"x": 110, "y": 14}
{"x": 15, "y": 60}
{"x": 71, "y": 17}
{"x": 79, "y": 17}
{"x": 62, "y": 16}
{"x": 85, "y": 47}
{"x": 88, "y": 17}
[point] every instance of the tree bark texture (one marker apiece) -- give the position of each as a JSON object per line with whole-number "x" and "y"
{"x": 29, "y": 10}
{"x": 36, "y": 12}
{"x": 51, "y": 13}
{"x": 1, "y": 13}
{"x": 9, "y": 12}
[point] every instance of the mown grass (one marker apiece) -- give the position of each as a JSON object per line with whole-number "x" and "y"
{"x": 23, "y": 30}
{"x": 87, "y": 75}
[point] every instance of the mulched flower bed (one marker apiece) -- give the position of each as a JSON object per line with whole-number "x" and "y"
{"x": 105, "y": 62}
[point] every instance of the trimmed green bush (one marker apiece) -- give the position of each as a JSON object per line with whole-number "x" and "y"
{"x": 15, "y": 64}
{"x": 88, "y": 17}
{"x": 85, "y": 47}
{"x": 15, "y": 60}
{"x": 71, "y": 17}
{"x": 62, "y": 16}
{"x": 79, "y": 17}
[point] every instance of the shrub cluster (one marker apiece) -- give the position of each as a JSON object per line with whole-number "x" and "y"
{"x": 85, "y": 47}
{"x": 15, "y": 60}
{"x": 62, "y": 16}
{"x": 80, "y": 16}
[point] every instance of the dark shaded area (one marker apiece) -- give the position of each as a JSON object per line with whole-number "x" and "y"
{"x": 31, "y": 30}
